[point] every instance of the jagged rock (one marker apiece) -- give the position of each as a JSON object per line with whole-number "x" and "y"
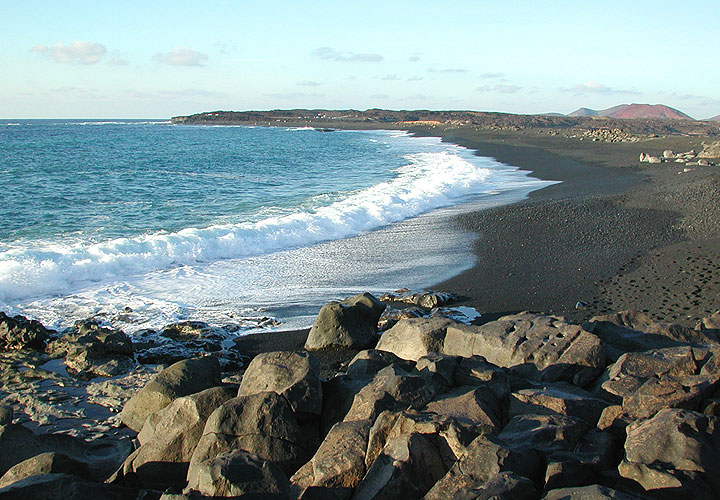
{"x": 414, "y": 338}
{"x": 391, "y": 389}
{"x": 668, "y": 153}
{"x": 557, "y": 399}
{"x": 351, "y": 324}
{"x": 293, "y": 375}
{"x": 262, "y": 424}
{"x": 18, "y": 332}
{"x": 634, "y": 331}
{"x": 450, "y": 435}
{"x": 648, "y": 381}
{"x": 64, "y": 487}
{"x": 6, "y": 415}
{"x": 535, "y": 346}
{"x": 592, "y": 492}
{"x": 238, "y": 474}
{"x": 427, "y": 299}
{"x": 180, "y": 379}
{"x": 476, "y": 370}
{"x": 476, "y": 408}
{"x": 191, "y": 330}
{"x": 652, "y": 159}
{"x": 439, "y": 367}
{"x": 102, "y": 458}
{"x": 544, "y": 433}
{"x": 407, "y": 468}
{"x": 676, "y": 450}
{"x": 563, "y": 474}
{"x": 485, "y": 459}
{"x": 94, "y": 351}
{"x": 370, "y": 361}
{"x": 168, "y": 439}
{"x": 338, "y": 395}
{"x": 710, "y": 325}
{"x": 337, "y": 467}
{"x": 45, "y": 463}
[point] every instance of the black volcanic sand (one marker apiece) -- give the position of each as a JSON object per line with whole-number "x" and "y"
{"x": 616, "y": 234}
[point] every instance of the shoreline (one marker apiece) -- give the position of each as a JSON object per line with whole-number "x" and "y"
{"x": 610, "y": 227}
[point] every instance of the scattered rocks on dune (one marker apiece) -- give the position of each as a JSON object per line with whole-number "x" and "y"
{"x": 689, "y": 157}
{"x": 529, "y": 406}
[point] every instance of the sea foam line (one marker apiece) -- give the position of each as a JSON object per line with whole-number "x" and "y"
{"x": 428, "y": 181}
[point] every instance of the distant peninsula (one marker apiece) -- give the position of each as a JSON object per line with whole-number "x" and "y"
{"x": 634, "y": 119}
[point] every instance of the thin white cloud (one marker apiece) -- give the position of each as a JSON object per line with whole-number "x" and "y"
{"x": 500, "y": 88}
{"x": 415, "y": 78}
{"x": 492, "y": 75}
{"x": 117, "y": 61}
{"x": 449, "y": 70}
{"x": 593, "y": 87}
{"x": 293, "y": 95}
{"x": 415, "y": 57}
{"x": 226, "y": 47}
{"x": 308, "y": 83}
{"x": 180, "y": 56}
{"x": 76, "y": 52}
{"x": 379, "y": 96}
{"x": 331, "y": 54}
{"x": 390, "y": 78}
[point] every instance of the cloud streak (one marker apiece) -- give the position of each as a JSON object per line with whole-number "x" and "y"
{"x": 331, "y": 54}
{"x": 76, "y": 52}
{"x": 180, "y": 56}
{"x": 500, "y": 88}
{"x": 593, "y": 87}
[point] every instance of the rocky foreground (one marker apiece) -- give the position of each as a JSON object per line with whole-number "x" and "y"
{"x": 525, "y": 407}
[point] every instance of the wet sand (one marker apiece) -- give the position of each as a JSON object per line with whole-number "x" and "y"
{"x": 615, "y": 234}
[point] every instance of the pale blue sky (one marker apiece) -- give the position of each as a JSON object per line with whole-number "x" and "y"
{"x": 122, "y": 59}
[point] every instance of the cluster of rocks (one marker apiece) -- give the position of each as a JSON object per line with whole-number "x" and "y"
{"x": 525, "y": 407}
{"x": 689, "y": 158}
{"x": 609, "y": 135}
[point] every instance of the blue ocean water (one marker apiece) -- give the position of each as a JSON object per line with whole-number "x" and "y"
{"x": 143, "y": 223}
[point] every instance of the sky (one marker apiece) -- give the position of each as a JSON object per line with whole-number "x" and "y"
{"x": 128, "y": 59}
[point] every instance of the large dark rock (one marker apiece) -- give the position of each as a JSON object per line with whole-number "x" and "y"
{"x": 476, "y": 370}
{"x": 534, "y": 346}
{"x": 591, "y": 492}
{"x": 168, "y": 440}
{"x": 338, "y": 466}
{"x": 18, "y": 332}
{"x": 477, "y": 408}
{"x": 544, "y": 433}
{"x": 438, "y": 367}
{"x": 450, "y": 435}
{"x": 676, "y": 451}
{"x": 478, "y": 469}
{"x": 338, "y": 396}
{"x": 370, "y": 361}
{"x": 94, "y": 351}
{"x": 414, "y": 338}
{"x": 180, "y": 379}
{"x": 18, "y": 444}
{"x": 351, "y": 323}
{"x": 45, "y": 463}
{"x": 406, "y": 468}
{"x": 263, "y": 424}
{"x": 391, "y": 389}
{"x": 557, "y": 399}
{"x": 64, "y": 487}
{"x": 293, "y": 375}
{"x": 645, "y": 382}
{"x": 628, "y": 331}
{"x": 238, "y": 474}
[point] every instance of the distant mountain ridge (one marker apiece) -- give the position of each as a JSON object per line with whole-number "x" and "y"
{"x": 630, "y": 111}
{"x": 714, "y": 119}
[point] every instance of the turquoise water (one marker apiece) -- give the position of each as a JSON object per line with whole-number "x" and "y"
{"x": 223, "y": 222}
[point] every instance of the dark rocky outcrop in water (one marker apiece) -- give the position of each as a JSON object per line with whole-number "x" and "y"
{"x": 528, "y": 406}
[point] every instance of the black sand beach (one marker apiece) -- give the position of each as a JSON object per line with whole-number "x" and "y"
{"x": 615, "y": 234}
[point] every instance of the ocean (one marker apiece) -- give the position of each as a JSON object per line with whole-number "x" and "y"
{"x": 143, "y": 223}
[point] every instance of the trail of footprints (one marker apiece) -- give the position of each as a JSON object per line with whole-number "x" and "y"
{"x": 678, "y": 284}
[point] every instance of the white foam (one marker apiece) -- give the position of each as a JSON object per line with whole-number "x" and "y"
{"x": 426, "y": 182}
